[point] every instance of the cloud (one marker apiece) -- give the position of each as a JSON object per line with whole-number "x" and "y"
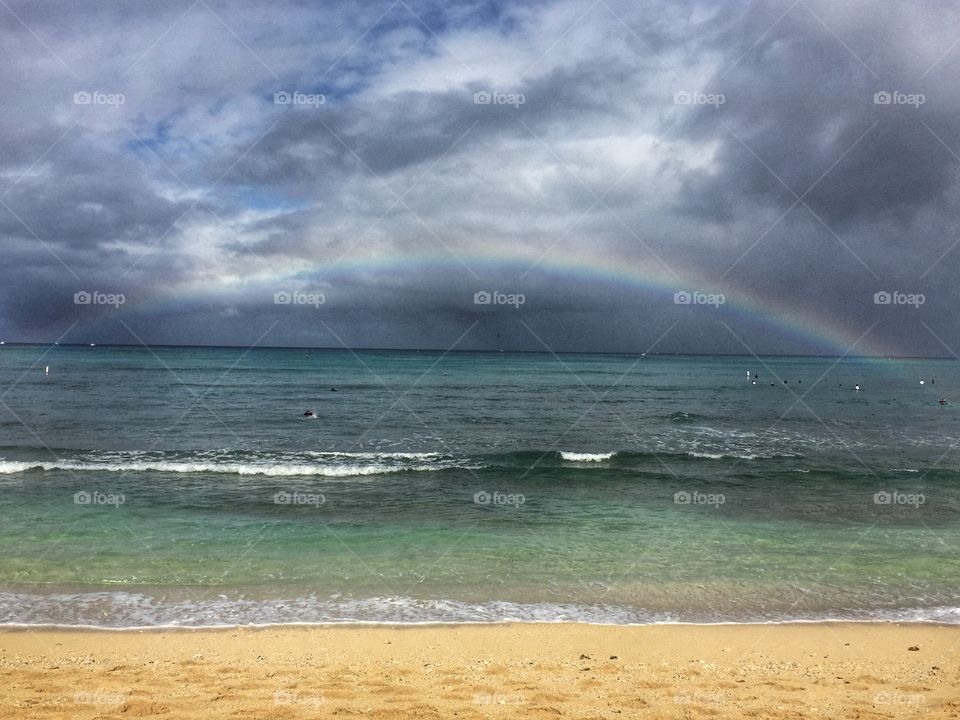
{"x": 596, "y": 158}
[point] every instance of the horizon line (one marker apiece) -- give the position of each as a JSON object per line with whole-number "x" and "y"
{"x": 492, "y": 352}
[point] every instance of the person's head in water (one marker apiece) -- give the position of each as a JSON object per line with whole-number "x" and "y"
{"x": 308, "y": 413}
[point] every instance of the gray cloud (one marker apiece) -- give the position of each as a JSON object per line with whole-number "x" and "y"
{"x": 398, "y": 196}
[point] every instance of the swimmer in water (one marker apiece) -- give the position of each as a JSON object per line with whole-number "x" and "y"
{"x": 942, "y": 401}
{"x": 857, "y": 388}
{"x": 333, "y": 389}
{"x": 309, "y": 414}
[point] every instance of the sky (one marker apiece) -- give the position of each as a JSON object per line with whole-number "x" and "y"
{"x": 729, "y": 177}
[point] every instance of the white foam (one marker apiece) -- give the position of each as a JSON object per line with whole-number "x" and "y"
{"x": 128, "y": 610}
{"x": 268, "y": 469}
{"x": 10, "y": 466}
{"x": 585, "y": 457}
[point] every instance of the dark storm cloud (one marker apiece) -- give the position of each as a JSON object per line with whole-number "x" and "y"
{"x": 200, "y": 197}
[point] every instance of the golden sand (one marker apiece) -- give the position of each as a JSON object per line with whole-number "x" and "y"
{"x": 503, "y": 671}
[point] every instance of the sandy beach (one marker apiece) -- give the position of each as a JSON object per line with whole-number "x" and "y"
{"x": 470, "y": 671}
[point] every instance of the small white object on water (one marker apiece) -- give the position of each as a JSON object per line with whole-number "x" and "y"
{"x": 923, "y": 382}
{"x": 46, "y": 370}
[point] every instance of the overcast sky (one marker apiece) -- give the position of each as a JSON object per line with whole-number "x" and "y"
{"x": 328, "y": 174}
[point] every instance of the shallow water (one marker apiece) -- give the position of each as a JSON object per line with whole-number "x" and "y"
{"x": 185, "y": 487}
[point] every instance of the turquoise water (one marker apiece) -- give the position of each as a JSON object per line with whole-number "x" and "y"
{"x": 185, "y": 487}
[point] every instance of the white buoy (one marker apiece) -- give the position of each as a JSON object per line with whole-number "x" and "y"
{"x": 46, "y": 370}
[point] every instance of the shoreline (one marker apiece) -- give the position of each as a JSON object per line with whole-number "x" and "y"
{"x": 375, "y": 624}
{"x": 525, "y": 670}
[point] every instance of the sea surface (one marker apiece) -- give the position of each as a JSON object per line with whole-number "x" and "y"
{"x": 185, "y": 487}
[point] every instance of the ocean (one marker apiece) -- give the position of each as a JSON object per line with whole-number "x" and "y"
{"x": 185, "y": 487}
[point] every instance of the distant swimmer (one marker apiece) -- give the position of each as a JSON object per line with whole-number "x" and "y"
{"x": 857, "y": 388}
{"x": 753, "y": 382}
{"x": 309, "y": 414}
{"x": 333, "y": 389}
{"x": 942, "y": 401}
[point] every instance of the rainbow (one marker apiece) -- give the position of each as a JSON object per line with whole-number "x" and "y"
{"x": 809, "y": 328}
